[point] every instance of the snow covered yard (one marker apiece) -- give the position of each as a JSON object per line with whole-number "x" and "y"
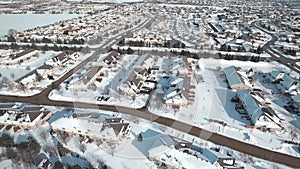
{"x": 70, "y": 150}
{"x": 214, "y": 111}
{"x": 14, "y": 72}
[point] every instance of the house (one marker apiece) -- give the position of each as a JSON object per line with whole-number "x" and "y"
{"x": 20, "y": 57}
{"x": 60, "y": 60}
{"x": 110, "y": 59}
{"x": 235, "y": 79}
{"x": 45, "y": 71}
{"x": 44, "y": 164}
{"x": 160, "y": 149}
{"x": 216, "y": 157}
{"x": 87, "y": 79}
{"x": 286, "y": 84}
{"x": 153, "y": 144}
{"x": 259, "y": 115}
{"x": 111, "y": 129}
{"x": 137, "y": 82}
{"x": 91, "y": 76}
{"x": 295, "y": 102}
{"x": 27, "y": 116}
{"x": 176, "y": 91}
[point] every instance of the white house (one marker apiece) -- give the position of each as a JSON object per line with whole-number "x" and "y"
{"x": 260, "y": 116}
{"x": 287, "y": 84}
{"x": 235, "y": 79}
{"x": 20, "y": 57}
{"x": 176, "y": 91}
{"x": 111, "y": 130}
{"x": 296, "y": 101}
{"x": 110, "y": 59}
{"x": 26, "y": 116}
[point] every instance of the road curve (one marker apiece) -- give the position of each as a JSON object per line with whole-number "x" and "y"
{"x": 290, "y": 63}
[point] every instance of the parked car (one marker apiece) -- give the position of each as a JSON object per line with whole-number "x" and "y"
{"x": 103, "y": 98}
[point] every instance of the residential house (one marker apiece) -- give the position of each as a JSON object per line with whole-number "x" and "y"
{"x": 46, "y": 72}
{"x": 286, "y": 84}
{"x": 295, "y": 101}
{"x": 91, "y": 76}
{"x": 217, "y": 158}
{"x": 110, "y": 59}
{"x": 138, "y": 82}
{"x": 260, "y": 115}
{"x": 153, "y": 145}
{"x": 27, "y": 116}
{"x": 20, "y": 57}
{"x": 44, "y": 164}
{"x": 87, "y": 79}
{"x": 111, "y": 129}
{"x": 176, "y": 91}
{"x": 59, "y": 60}
{"x": 236, "y": 79}
{"x": 161, "y": 149}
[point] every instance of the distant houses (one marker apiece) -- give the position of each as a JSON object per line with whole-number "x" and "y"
{"x": 26, "y": 116}
{"x": 140, "y": 80}
{"x": 49, "y": 71}
{"x": 111, "y": 129}
{"x": 20, "y": 57}
{"x": 87, "y": 79}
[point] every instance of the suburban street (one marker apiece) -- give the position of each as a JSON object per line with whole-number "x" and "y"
{"x": 256, "y": 151}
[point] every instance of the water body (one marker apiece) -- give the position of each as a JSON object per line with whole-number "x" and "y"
{"x": 21, "y": 22}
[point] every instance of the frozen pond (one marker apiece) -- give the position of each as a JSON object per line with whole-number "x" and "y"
{"x": 21, "y": 22}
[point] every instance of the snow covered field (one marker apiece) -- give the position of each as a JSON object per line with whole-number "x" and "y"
{"x": 21, "y": 22}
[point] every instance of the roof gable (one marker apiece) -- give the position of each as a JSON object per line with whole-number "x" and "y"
{"x": 250, "y": 105}
{"x": 232, "y": 76}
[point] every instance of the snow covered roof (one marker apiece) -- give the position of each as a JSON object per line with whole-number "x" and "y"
{"x": 296, "y": 98}
{"x": 77, "y": 124}
{"x": 25, "y": 52}
{"x": 286, "y": 80}
{"x": 249, "y": 104}
{"x": 25, "y": 113}
{"x": 108, "y": 128}
{"x": 90, "y": 74}
{"x": 153, "y": 143}
{"x": 232, "y": 76}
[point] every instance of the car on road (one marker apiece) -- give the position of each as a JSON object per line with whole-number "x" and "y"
{"x": 103, "y": 98}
